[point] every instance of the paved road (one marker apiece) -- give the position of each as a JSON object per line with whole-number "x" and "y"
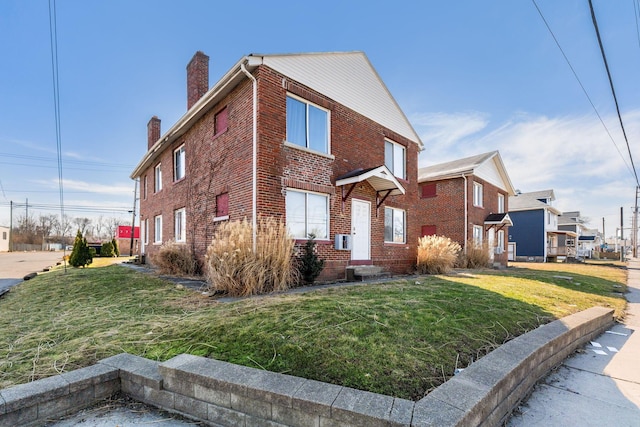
{"x": 15, "y": 265}
{"x": 599, "y": 386}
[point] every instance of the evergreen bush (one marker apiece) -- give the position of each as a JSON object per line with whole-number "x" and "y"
{"x": 107, "y": 250}
{"x": 116, "y": 249}
{"x": 81, "y": 255}
{"x": 310, "y": 264}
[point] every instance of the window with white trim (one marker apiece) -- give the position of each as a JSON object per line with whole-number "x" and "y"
{"x": 179, "y": 163}
{"x": 477, "y": 194}
{"x": 145, "y": 187}
{"x": 395, "y": 158}
{"x": 158, "y": 178}
{"x": 500, "y": 203}
{"x": 500, "y": 242}
{"x": 477, "y": 234}
{"x": 307, "y": 213}
{"x": 307, "y": 125}
{"x": 180, "y": 225}
{"x": 145, "y": 230}
{"x": 394, "y": 225}
{"x": 157, "y": 234}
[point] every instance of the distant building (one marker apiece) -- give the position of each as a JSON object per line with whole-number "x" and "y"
{"x": 4, "y": 239}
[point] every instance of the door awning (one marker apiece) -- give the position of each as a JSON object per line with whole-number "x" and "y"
{"x": 380, "y": 178}
{"x": 499, "y": 219}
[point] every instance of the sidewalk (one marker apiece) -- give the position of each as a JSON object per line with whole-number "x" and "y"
{"x": 599, "y": 386}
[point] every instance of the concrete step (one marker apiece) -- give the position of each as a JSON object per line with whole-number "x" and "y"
{"x": 359, "y": 273}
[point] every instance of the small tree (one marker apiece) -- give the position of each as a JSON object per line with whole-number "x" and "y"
{"x": 116, "y": 249}
{"x": 80, "y": 255}
{"x": 310, "y": 264}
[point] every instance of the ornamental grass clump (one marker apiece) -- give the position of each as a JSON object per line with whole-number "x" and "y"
{"x": 176, "y": 259}
{"x": 436, "y": 254}
{"x": 477, "y": 256}
{"x": 232, "y": 267}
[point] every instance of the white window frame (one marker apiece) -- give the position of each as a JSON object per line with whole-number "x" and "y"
{"x": 180, "y": 225}
{"x": 145, "y": 186}
{"x": 145, "y": 230}
{"x": 477, "y": 194}
{"x": 478, "y": 234}
{"x": 157, "y": 229}
{"x": 500, "y": 239}
{"x": 157, "y": 174}
{"x": 306, "y": 214}
{"x": 328, "y": 124}
{"x": 179, "y": 170}
{"x": 394, "y": 212}
{"x": 500, "y": 203}
{"x": 391, "y": 163}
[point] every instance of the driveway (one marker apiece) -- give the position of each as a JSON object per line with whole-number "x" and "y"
{"x": 15, "y": 265}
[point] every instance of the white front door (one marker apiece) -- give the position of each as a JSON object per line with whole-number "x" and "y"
{"x": 360, "y": 230}
{"x": 491, "y": 238}
{"x": 512, "y": 251}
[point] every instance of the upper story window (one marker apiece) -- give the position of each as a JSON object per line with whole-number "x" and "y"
{"x": 307, "y": 213}
{"x": 500, "y": 203}
{"x": 158, "y": 178}
{"x": 394, "y": 225}
{"x": 477, "y": 194}
{"x": 179, "y": 163}
{"x": 144, "y": 188}
{"x": 180, "y": 227}
{"x": 220, "y": 121}
{"x": 428, "y": 190}
{"x": 395, "y": 159}
{"x": 307, "y": 125}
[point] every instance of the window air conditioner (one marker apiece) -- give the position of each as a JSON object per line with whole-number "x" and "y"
{"x": 343, "y": 242}
{"x": 499, "y": 250}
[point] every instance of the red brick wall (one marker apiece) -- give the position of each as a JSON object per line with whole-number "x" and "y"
{"x": 222, "y": 163}
{"x": 446, "y": 209}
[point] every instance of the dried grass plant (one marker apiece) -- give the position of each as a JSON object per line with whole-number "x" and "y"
{"x": 477, "y": 256}
{"x": 436, "y": 254}
{"x": 233, "y": 268}
{"x": 176, "y": 259}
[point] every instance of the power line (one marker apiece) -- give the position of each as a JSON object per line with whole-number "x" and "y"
{"x": 636, "y": 14}
{"x": 624, "y": 160}
{"x": 613, "y": 91}
{"x": 80, "y": 162}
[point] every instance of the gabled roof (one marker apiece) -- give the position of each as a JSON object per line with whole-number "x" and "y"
{"x": 498, "y": 219}
{"x": 346, "y": 77}
{"x": 530, "y": 201}
{"x": 488, "y": 166}
{"x": 380, "y": 178}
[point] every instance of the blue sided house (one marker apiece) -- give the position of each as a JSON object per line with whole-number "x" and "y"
{"x": 534, "y": 236}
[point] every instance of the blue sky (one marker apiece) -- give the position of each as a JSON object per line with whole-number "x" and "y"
{"x": 471, "y": 77}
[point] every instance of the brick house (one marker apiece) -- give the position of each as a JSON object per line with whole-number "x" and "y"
{"x": 315, "y": 139}
{"x": 467, "y": 200}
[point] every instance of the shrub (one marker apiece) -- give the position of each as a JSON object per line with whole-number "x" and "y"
{"x": 107, "y": 250}
{"x": 477, "y": 256}
{"x": 81, "y": 255}
{"x": 176, "y": 259}
{"x": 234, "y": 268}
{"x": 436, "y": 254}
{"x": 116, "y": 249}
{"x": 310, "y": 264}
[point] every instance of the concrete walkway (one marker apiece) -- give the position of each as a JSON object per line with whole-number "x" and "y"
{"x": 599, "y": 386}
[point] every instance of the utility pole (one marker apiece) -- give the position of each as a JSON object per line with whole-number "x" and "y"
{"x": 621, "y": 235}
{"x": 133, "y": 220}
{"x": 604, "y": 235}
{"x": 11, "y": 226}
{"x": 635, "y": 226}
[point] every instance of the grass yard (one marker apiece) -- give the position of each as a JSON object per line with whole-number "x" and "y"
{"x": 400, "y": 338}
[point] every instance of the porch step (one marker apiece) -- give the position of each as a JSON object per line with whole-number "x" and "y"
{"x": 359, "y": 273}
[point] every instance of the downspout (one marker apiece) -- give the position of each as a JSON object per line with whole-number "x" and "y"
{"x": 466, "y": 219}
{"x": 254, "y": 160}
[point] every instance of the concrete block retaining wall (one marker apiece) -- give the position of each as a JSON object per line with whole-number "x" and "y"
{"x": 221, "y": 393}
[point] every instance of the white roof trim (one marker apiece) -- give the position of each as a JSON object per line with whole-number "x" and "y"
{"x": 380, "y": 178}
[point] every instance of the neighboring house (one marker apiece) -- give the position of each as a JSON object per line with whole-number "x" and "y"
{"x": 4, "y": 239}
{"x": 315, "y": 139}
{"x": 535, "y": 235}
{"x": 586, "y": 240}
{"x": 467, "y": 201}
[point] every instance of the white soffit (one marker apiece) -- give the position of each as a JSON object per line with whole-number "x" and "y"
{"x": 349, "y": 79}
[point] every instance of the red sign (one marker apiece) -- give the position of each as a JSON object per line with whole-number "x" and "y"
{"x": 124, "y": 232}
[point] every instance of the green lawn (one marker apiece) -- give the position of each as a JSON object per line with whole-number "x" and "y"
{"x": 400, "y": 338}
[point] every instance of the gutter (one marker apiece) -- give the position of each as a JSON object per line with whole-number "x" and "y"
{"x": 466, "y": 209}
{"x": 254, "y": 160}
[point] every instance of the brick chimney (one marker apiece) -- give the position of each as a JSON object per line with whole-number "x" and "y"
{"x": 197, "y": 78}
{"x": 153, "y": 131}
